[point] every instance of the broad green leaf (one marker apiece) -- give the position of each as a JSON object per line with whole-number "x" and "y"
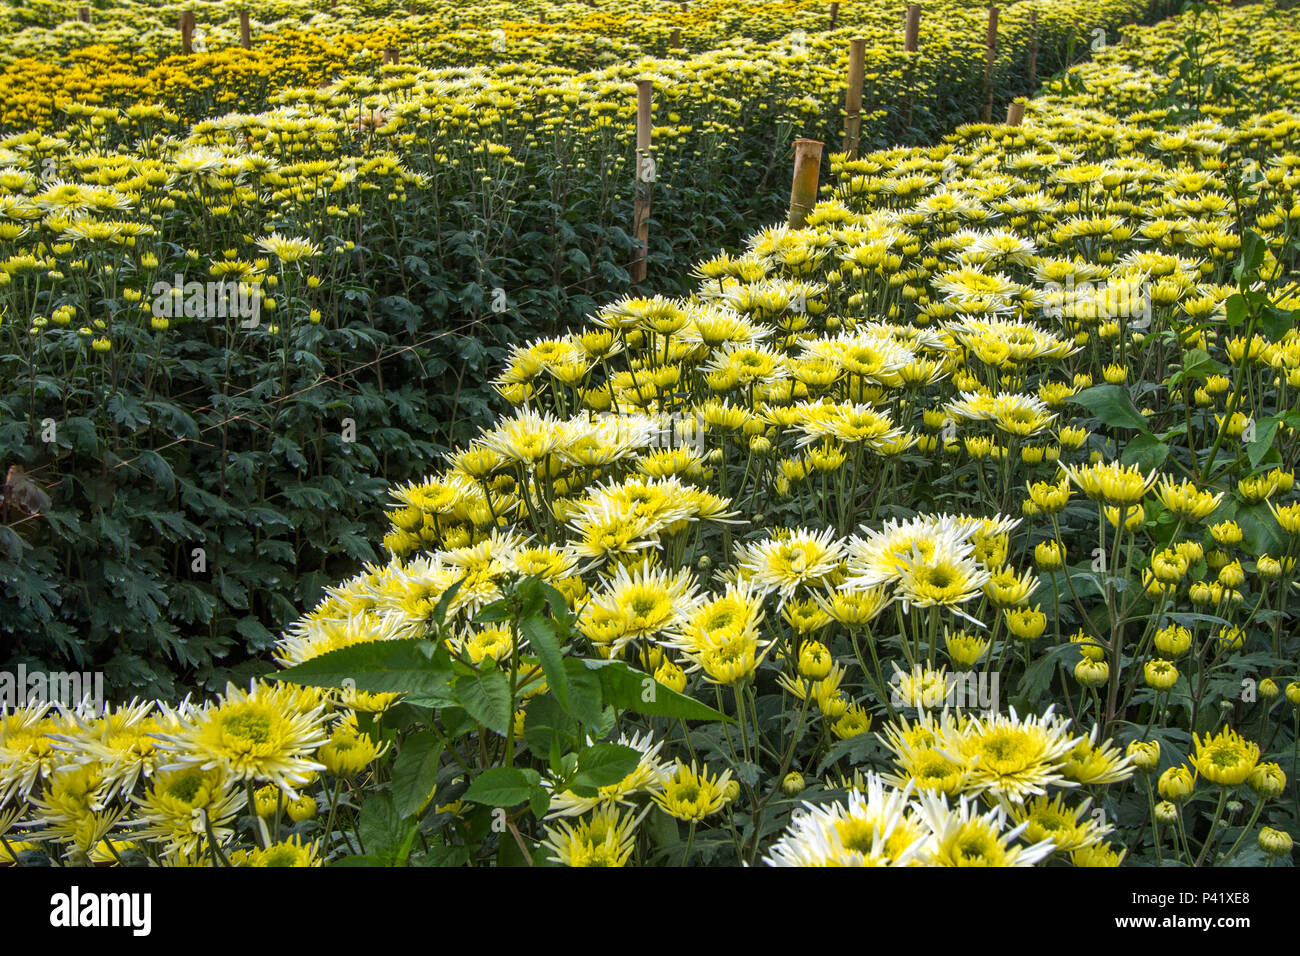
{"x": 633, "y": 690}
{"x": 586, "y": 693}
{"x": 384, "y": 833}
{"x": 1197, "y": 363}
{"x": 1235, "y": 309}
{"x": 444, "y": 602}
{"x": 1146, "y": 451}
{"x": 1252, "y": 255}
{"x": 546, "y": 723}
{"x": 601, "y": 765}
{"x": 1111, "y": 404}
{"x": 415, "y": 773}
{"x": 1265, "y": 432}
{"x": 502, "y": 786}
{"x": 541, "y": 636}
{"x": 1259, "y": 529}
{"x": 486, "y": 697}
{"x": 378, "y": 667}
{"x": 1274, "y": 323}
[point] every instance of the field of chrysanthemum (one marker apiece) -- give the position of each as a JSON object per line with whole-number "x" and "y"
{"x": 951, "y": 522}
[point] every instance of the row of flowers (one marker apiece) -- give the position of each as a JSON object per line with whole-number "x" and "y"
{"x": 1011, "y": 413}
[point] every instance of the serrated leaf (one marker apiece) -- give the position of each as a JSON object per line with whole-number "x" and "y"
{"x": 415, "y": 773}
{"x": 602, "y": 765}
{"x": 541, "y": 637}
{"x": 377, "y": 667}
{"x": 1112, "y": 405}
{"x": 639, "y": 692}
{"x": 486, "y": 697}
{"x": 502, "y": 787}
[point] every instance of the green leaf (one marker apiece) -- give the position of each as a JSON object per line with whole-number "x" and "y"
{"x": 1235, "y": 310}
{"x": 546, "y": 723}
{"x": 1274, "y": 323}
{"x": 1259, "y": 529}
{"x": 493, "y": 613}
{"x": 586, "y": 694}
{"x": 486, "y": 697}
{"x": 1197, "y": 363}
{"x": 502, "y": 786}
{"x": 541, "y": 636}
{"x": 633, "y": 690}
{"x": 415, "y": 773}
{"x": 1111, "y": 404}
{"x": 539, "y": 801}
{"x": 1252, "y": 255}
{"x": 384, "y": 833}
{"x": 378, "y": 667}
{"x": 1146, "y": 451}
{"x": 601, "y": 765}
{"x": 444, "y": 602}
{"x": 1265, "y": 432}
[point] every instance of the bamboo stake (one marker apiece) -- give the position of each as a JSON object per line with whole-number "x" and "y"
{"x": 990, "y": 54}
{"x": 803, "y": 190}
{"x": 645, "y": 175}
{"x": 187, "y": 32}
{"x": 835, "y": 14}
{"x": 83, "y": 14}
{"x": 911, "y": 33}
{"x": 675, "y": 40}
{"x": 1032, "y": 68}
{"x": 1015, "y": 113}
{"x": 245, "y": 32}
{"x": 853, "y": 97}
{"x": 391, "y": 54}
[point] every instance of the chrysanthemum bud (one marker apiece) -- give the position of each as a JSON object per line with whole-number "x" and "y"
{"x": 1176, "y": 784}
{"x": 1275, "y": 842}
{"x": 1268, "y": 780}
{"x": 1091, "y": 673}
{"x": 1145, "y": 754}
{"x": 304, "y": 808}
{"x": 814, "y": 660}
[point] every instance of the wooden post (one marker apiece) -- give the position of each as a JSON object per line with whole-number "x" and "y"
{"x": 835, "y": 13}
{"x": 541, "y": 17}
{"x": 1032, "y": 68}
{"x": 83, "y": 14}
{"x": 990, "y": 54}
{"x": 675, "y": 40}
{"x": 803, "y": 191}
{"x": 245, "y": 32}
{"x": 1015, "y": 113}
{"x": 390, "y": 55}
{"x": 853, "y": 97}
{"x": 912, "y": 32}
{"x": 645, "y": 175}
{"x": 187, "y": 32}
